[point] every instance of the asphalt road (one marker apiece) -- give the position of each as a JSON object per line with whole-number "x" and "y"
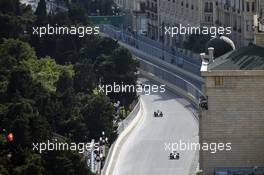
{"x": 190, "y": 70}
{"x": 144, "y": 151}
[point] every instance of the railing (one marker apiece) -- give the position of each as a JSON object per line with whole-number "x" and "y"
{"x": 189, "y": 90}
{"x": 128, "y": 119}
{"x": 181, "y": 81}
{"x": 154, "y": 48}
{"x": 121, "y": 131}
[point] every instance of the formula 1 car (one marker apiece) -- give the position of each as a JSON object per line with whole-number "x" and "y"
{"x": 174, "y": 155}
{"x": 158, "y": 113}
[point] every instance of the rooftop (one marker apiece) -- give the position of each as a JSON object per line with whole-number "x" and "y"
{"x": 246, "y": 58}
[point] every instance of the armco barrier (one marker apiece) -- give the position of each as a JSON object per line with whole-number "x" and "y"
{"x": 171, "y": 80}
{"x": 153, "y": 48}
{"x": 134, "y": 118}
{"x": 128, "y": 119}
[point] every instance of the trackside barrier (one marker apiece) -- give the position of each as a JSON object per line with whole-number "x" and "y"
{"x": 132, "y": 120}
{"x": 153, "y": 48}
{"x": 171, "y": 80}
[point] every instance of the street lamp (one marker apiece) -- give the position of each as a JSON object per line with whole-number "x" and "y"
{"x": 100, "y": 154}
{"x": 98, "y": 12}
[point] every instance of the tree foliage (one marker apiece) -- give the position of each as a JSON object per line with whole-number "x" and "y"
{"x": 48, "y": 84}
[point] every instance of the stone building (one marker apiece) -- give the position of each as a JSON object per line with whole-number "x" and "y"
{"x": 234, "y": 90}
{"x": 134, "y": 12}
{"x": 208, "y": 10}
{"x": 238, "y": 14}
{"x": 192, "y": 13}
{"x": 52, "y": 6}
{"x": 153, "y": 26}
{"x": 178, "y": 12}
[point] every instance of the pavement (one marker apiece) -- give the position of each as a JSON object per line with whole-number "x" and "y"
{"x": 144, "y": 153}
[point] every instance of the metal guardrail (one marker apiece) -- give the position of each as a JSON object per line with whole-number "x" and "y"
{"x": 157, "y": 71}
{"x": 128, "y": 119}
{"x": 181, "y": 82}
{"x": 120, "y": 129}
{"x": 188, "y": 88}
{"x": 153, "y": 48}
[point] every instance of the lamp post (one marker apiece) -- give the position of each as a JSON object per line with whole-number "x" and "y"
{"x": 100, "y": 154}
{"x": 98, "y": 12}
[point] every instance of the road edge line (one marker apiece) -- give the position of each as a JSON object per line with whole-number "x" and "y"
{"x": 121, "y": 138}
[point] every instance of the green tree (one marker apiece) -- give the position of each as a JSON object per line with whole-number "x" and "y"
{"x": 67, "y": 163}
{"x": 41, "y": 12}
{"x": 64, "y": 82}
{"x": 13, "y": 51}
{"x": 120, "y": 68}
{"x": 84, "y": 77}
{"x": 196, "y": 43}
{"x": 77, "y": 14}
{"x": 32, "y": 165}
{"x": 19, "y": 117}
{"x": 98, "y": 116}
{"x": 39, "y": 128}
{"x": 3, "y": 170}
{"x": 20, "y": 84}
{"x": 17, "y": 7}
{"x": 46, "y": 71}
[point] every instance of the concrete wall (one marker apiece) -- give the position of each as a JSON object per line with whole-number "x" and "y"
{"x": 235, "y": 114}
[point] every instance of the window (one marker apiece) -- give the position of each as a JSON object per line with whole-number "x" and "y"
{"x": 253, "y": 6}
{"x": 248, "y": 8}
{"x": 247, "y": 26}
{"x": 206, "y": 5}
{"x": 211, "y": 7}
{"x": 219, "y": 81}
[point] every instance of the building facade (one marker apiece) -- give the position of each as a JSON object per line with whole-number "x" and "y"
{"x": 153, "y": 27}
{"x": 125, "y": 4}
{"x": 52, "y": 6}
{"x": 174, "y": 13}
{"x": 234, "y": 84}
{"x": 140, "y": 17}
{"x": 237, "y": 14}
{"x": 194, "y": 13}
{"x": 134, "y": 12}
{"x": 208, "y": 10}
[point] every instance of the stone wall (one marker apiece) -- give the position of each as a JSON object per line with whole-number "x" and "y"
{"x": 235, "y": 114}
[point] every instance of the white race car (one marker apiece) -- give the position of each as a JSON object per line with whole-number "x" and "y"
{"x": 174, "y": 155}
